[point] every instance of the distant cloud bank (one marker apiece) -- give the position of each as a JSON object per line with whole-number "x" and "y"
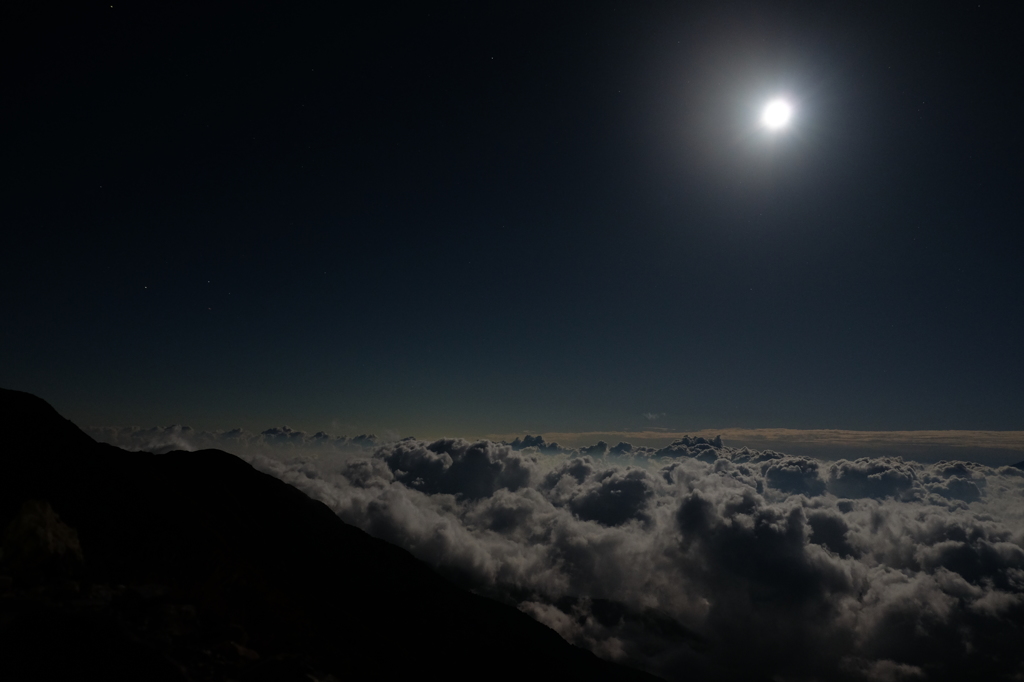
{"x": 164, "y": 439}
{"x": 694, "y": 559}
{"x": 991, "y": 447}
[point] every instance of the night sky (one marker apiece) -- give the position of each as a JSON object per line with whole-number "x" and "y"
{"x": 479, "y": 218}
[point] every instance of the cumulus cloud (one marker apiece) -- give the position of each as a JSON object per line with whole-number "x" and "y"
{"x": 696, "y": 560}
{"x": 538, "y": 444}
{"x": 610, "y": 496}
{"x": 458, "y": 467}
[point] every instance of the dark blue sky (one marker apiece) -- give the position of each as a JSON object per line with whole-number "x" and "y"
{"x": 458, "y": 219}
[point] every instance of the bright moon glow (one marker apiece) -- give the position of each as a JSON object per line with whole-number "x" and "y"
{"x": 776, "y": 114}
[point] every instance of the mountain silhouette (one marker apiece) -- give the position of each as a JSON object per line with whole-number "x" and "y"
{"x": 194, "y": 565}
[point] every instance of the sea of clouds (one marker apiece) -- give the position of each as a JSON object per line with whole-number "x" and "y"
{"x": 696, "y": 560}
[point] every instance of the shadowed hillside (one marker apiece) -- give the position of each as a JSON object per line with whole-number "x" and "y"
{"x": 196, "y": 566}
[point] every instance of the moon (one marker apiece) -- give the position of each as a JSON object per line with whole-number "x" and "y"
{"x": 776, "y": 114}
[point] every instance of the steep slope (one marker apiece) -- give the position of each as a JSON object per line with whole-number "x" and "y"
{"x": 196, "y": 561}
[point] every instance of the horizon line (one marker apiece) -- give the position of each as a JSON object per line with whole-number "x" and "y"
{"x": 978, "y": 438}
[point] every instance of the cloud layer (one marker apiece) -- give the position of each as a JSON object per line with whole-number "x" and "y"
{"x": 995, "y": 448}
{"x": 701, "y": 561}
{"x": 277, "y": 440}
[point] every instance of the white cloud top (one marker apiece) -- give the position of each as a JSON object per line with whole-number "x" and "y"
{"x": 701, "y": 561}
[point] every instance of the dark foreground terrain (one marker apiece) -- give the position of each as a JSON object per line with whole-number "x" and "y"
{"x": 195, "y": 566}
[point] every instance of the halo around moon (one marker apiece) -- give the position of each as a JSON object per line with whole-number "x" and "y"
{"x": 776, "y": 114}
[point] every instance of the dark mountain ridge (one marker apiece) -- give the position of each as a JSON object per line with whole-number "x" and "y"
{"x": 196, "y": 566}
